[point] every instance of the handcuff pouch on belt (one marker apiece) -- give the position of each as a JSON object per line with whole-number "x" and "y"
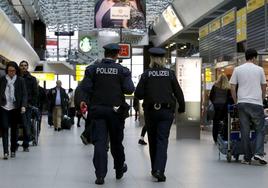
{"x": 158, "y": 106}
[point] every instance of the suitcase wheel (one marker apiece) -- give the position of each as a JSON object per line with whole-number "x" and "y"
{"x": 229, "y": 157}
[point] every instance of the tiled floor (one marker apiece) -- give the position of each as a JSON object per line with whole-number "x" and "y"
{"x": 62, "y": 161}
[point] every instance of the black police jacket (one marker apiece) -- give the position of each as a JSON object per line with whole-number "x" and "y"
{"x": 20, "y": 92}
{"x": 32, "y": 88}
{"x": 160, "y": 86}
{"x": 106, "y": 82}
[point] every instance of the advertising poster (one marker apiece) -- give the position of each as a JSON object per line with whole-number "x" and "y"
{"x": 128, "y": 14}
{"x": 188, "y": 71}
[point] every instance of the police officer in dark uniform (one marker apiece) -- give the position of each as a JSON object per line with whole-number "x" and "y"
{"x": 159, "y": 89}
{"x": 106, "y": 83}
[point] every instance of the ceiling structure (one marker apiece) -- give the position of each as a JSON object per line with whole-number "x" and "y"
{"x": 8, "y": 8}
{"x": 68, "y": 15}
{"x": 26, "y": 9}
{"x": 71, "y": 15}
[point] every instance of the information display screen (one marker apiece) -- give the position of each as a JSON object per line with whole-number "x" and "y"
{"x": 172, "y": 20}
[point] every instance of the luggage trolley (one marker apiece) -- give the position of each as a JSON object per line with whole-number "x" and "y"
{"x": 233, "y": 146}
{"x": 35, "y": 126}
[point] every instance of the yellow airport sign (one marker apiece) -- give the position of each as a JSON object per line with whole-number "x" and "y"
{"x": 214, "y": 25}
{"x": 208, "y": 74}
{"x": 241, "y": 25}
{"x": 80, "y": 72}
{"x": 228, "y": 18}
{"x": 203, "y": 31}
{"x": 44, "y": 76}
{"x": 254, "y": 5}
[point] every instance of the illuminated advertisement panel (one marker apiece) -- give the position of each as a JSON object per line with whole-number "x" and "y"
{"x": 128, "y": 14}
{"x": 172, "y": 20}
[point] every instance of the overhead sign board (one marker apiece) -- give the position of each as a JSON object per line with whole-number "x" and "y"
{"x": 228, "y": 18}
{"x": 71, "y": 33}
{"x": 208, "y": 74}
{"x": 254, "y": 5}
{"x": 241, "y": 25}
{"x": 44, "y": 76}
{"x": 203, "y": 31}
{"x": 214, "y": 25}
{"x": 172, "y": 20}
{"x": 125, "y": 51}
{"x": 80, "y": 72}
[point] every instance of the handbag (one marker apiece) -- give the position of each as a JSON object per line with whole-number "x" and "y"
{"x": 210, "y": 111}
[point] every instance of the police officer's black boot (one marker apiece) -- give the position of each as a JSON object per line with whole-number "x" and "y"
{"x": 99, "y": 181}
{"x": 119, "y": 173}
{"x": 160, "y": 176}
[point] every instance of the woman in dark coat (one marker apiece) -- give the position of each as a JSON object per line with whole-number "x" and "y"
{"x": 220, "y": 96}
{"x": 13, "y": 102}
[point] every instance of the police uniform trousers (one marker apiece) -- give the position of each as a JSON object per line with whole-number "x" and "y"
{"x": 158, "y": 124}
{"x": 107, "y": 122}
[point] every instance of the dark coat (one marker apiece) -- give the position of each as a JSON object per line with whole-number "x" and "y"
{"x": 42, "y": 97}
{"x": 52, "y": 98}
{"x": 32, "y": 90}
{"x": 20, "y": 92}
{"x": 220, "y": 96}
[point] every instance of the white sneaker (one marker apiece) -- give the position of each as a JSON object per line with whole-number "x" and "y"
{"x": 260, "y": 158}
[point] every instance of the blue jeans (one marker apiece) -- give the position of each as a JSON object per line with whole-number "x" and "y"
{"x": 251, "y": 114}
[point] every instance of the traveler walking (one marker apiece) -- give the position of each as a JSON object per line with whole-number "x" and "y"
{"x": 13, "y": 103}
{"x": 58, "y": 100}
{"x": 32, "y": 94}
{"x": 71, "y": 106}
{"x": 248, "y": 85}
{"x": 220, "y": 96}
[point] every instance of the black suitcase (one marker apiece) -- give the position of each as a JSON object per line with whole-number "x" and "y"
{"x": 66, "y": 122}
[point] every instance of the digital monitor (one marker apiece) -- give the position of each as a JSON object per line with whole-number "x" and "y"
{"x": 172, "y": 20}
{"x": 128, "y": 14}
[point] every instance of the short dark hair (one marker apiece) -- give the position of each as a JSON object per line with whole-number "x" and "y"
{"x": 250, "y": 54}
{"x": 111, "y": 53}
{"x": 24, "y": 62}
{"x": 13, "y": 64}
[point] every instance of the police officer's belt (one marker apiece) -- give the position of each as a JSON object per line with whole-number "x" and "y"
{"x": 158, "y": 106}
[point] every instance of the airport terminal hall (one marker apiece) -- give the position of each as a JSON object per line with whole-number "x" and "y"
{"x": 133, "y": 93}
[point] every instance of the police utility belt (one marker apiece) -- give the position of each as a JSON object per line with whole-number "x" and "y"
{"x": 158, "y": 106}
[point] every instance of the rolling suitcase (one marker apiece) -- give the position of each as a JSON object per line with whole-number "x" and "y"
{"x": 66, "y": 122}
